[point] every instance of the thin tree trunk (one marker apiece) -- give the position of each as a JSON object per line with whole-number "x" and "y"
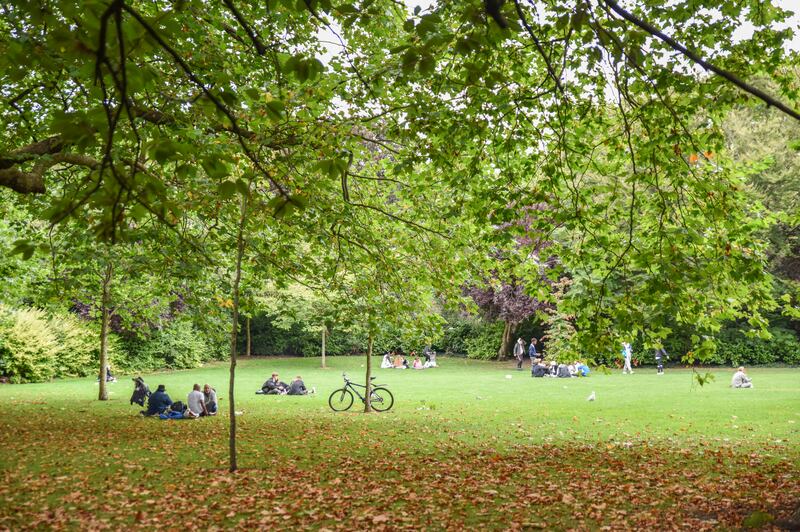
{"x": 249, "y": 338}
{"x": 234, "y": 334}
{"x": 508, "y": 332}
{"x": 324, "y": 335}
{"x": 368, "y": 401}
{"x": 106, "y": 300}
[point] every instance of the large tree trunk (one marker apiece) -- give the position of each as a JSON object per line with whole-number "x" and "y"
{"x": 249, "y": 339}
{"x": 508, "y": 340}
{"x": 324, "y": 335}
{"x": 368, "y": 402}
{"x": 106, "y": 301}
{"x": 233, "y": 466}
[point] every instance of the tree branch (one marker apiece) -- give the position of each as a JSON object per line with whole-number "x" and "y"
{"x": 260, "y": 48}
{"x": 652, "y": 30}
{"x": 33, "y": 182}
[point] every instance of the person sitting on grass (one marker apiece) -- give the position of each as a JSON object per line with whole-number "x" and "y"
{"x": 109, "y": 376}
{"x": 158, "y": 403}
{"x": 298, "y": 387}
{"x": 274, "y": 386}
{"x": 430, "y": 357}
{"x": 417, "y": 363}
{"x": 540, "y": 369}
{"x": 196, "y": 403}
{"x": 387, "y": 361}
{"x": 740, "y": 379}
{"x": 210, "y": 399}
{"x": 562, "y": 372}
{"x": 400, "y": 362}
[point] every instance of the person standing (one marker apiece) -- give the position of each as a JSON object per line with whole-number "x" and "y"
{"x": 661, "y": 354}
{"x": 627, "y": 353}
{"x": 532, "y": 354}
{"x": 519, "y": 351}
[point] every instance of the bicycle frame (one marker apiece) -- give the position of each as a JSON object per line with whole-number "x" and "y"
{"x": 352, "y": 387}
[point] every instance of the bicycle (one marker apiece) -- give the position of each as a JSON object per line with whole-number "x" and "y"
{"x": 342, "y": 399}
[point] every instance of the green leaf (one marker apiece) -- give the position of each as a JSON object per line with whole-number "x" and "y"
{"x": 427, "y": 64}
{"x": 276, "y": 111}
{"x": 226, "y": 189}
{"x": 215, "y": 168}
{"x": 409, "y": 60}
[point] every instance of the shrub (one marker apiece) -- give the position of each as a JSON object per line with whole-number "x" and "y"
{"x": 28, "y": 347}
{"x": 177, "y": 346}
{"x": 79, "y": 346}
{"x": 485, "y": 341}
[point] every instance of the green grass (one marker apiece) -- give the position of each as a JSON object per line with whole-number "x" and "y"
{"x": 463, "y": 445}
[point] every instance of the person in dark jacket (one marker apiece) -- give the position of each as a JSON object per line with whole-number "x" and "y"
{"x": 273, "y": 386}
{"x": 539, "y": 369}
{"x": 562, "y": 372}
{"x": 660, "y": 355}
{"x": 140, "y": 391}
{"x": 532, "y": 354}
{"x": 298, "y": 387}
{"x": 159, "y": 402}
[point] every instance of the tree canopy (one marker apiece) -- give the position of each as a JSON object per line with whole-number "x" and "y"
{"x": 374, "y": 137}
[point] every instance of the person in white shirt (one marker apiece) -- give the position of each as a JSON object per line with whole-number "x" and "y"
{"x": 627, "y": 353}
{"x": 196, "y": 403}
{"x": 740, "y": 379}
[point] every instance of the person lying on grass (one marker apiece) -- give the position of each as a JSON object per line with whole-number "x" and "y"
{"x": 581, "y": 369}
{"x": 210, "y": 399}
{"x": 158, "y": 403}
{"x": 196, "y": 403}
{"x": 740, "y": 379}
{"x": 298, "y": 387}
{"x": 273, "y": 386}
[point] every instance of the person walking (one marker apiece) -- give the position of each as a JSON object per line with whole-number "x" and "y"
{"x": 519, "y": 351}
{"x": 661, "y": 354}
{"x": 627, "y": 353}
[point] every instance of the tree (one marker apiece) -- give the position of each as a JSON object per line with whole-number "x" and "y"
{"x": 412, "y": 143}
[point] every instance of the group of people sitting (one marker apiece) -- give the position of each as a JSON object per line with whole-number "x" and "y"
{"x": 274, "y": 386}
{"x": 198, "y": 403}
{"x": 540, "y": 368}
{"x": 396, "y": 360}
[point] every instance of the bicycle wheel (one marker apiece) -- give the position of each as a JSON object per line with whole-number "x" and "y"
{"x": 381, "y": 399}
{"x": 341, "y": 400}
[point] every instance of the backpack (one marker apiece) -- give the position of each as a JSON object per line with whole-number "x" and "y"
{"x": 178, "y": 406}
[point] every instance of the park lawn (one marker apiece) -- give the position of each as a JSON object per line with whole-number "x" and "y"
{"x": 464, "y": 446}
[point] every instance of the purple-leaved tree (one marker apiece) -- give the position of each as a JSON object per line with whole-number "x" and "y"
{"x": 504, "y": 294}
